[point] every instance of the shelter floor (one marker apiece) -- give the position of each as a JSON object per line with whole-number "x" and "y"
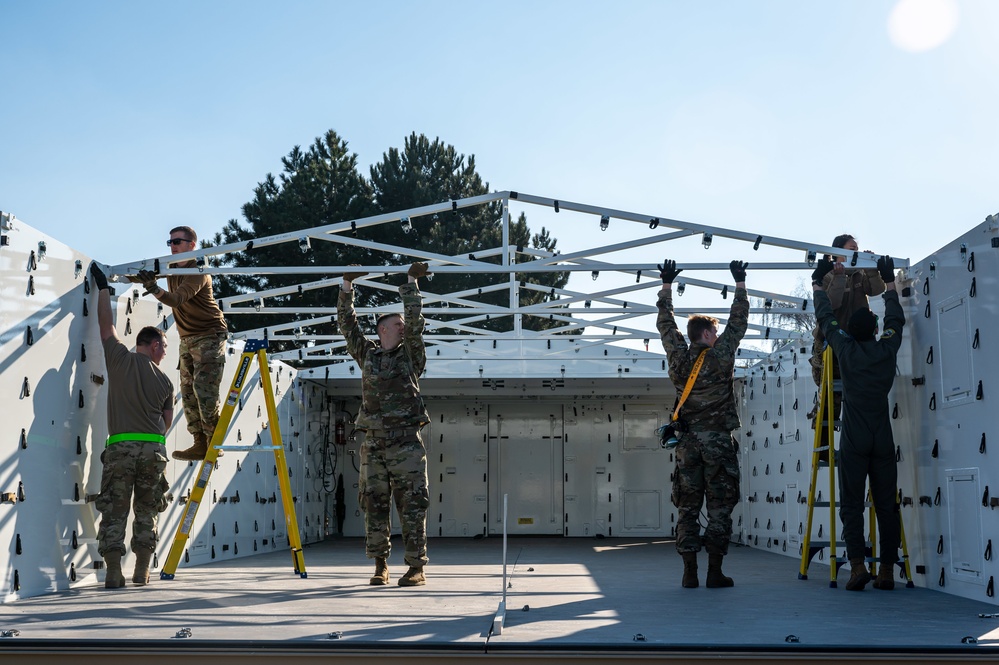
{"x": 603, "y": 593}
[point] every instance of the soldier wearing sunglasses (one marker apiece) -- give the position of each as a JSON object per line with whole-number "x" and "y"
{"x": 203, "y": 334}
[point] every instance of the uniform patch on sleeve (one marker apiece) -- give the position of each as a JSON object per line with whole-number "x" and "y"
{"x": 888, "y": 334}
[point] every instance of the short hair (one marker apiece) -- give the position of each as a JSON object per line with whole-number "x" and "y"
{"x": 381, "y": 318}
{"x": 841, "y": 240}
{"x": 148, "y": 335}
{"x": 185, "y": 229}
{"x": 862, "y": 325}
{"x": 698, "y": 324}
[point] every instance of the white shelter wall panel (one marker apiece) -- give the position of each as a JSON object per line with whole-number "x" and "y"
{"x": 585, "y": 437}
{"x": 775, "y": 441}
{"x": 525, "y": 464}
{"x": 947, "y": 392}
{"x": 53, "y": 373}
{"x": 458, "y": 468}
{"x": 56, "y": 381}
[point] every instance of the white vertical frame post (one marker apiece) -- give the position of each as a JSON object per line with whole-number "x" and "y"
{"x": 500, "y": 617}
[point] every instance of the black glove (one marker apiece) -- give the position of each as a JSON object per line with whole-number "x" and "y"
{"x": 418, "y": 270}
{"x": 100, "y": 279}
{"x": 822, "y": 268}
{"x": 668, "y": 271}
{"x": 886, "y": 266}
{"x": 738, "y": 270}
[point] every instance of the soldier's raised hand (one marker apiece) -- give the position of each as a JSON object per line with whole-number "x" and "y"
{"x": 418, "y": 270}
{"x": 822, "y": 268}
{"x": 351, "y": 276}
{"x": 668, "y": 271}
{"x": 738, "y": 270}
{"x": 886, "y": 266}
{"x": 100, "y": 279}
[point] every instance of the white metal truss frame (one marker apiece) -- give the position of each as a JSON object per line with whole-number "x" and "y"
{"x": 596, "y": 318}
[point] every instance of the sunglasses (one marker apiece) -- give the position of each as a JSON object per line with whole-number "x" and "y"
{"x": 177, "y": 241}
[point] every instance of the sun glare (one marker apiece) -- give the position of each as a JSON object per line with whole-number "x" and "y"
{"x": 922, "y": 25}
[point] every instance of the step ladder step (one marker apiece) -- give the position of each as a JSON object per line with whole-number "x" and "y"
{"x": 248, "y": 448}
{"x": 825, "y": 504}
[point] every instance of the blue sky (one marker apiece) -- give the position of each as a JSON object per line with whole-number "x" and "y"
{"x": 796, "y": 119}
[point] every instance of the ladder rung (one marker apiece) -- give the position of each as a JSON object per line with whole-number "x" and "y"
{"x": 818, "y": 544}
{"x": 249, "y": 448}
{"x": 825, "y": 504}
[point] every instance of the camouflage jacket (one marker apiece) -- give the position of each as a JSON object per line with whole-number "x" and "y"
{"x": 390, "y": 379}
{"x": 849, "y": 292}
{"x": 711, "y": 404}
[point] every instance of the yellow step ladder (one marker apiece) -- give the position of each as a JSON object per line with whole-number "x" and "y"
{"x": 825, "y": 427}
{"x": 253, "y": 349}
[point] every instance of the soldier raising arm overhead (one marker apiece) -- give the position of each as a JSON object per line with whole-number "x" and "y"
{"x": 393, "y": 457}
{"x": 707, "y": 465}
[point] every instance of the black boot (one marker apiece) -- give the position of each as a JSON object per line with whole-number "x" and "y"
{"x": 689, "y": 570}
{"x": 716, "y": 579}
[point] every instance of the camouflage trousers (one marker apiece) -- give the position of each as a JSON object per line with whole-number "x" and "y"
{"x": 707, "y": 469}
{"x": 394, "y": 467}
{"x": 131, "y": 468}
{"x": 202, "y": 361}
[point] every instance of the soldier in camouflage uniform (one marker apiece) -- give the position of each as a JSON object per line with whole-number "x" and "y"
{"x": 393, "y": 457}
{"x": 707, "y": 463}
{"x": 848, "y": 290}
{"x": 203, "y": 333}
{"x": 140, "y": 409}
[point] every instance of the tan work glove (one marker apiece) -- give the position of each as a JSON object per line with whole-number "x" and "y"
{"x": 418, "y": 270}
{"x": 351, "y": 276}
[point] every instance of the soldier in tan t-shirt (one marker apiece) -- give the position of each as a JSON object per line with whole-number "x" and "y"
{"x": 203, "y": 334}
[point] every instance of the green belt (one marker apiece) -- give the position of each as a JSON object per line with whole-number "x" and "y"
{"x": 135, "y": 436}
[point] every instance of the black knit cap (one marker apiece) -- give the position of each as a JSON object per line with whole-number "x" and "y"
{"x": 863, "y": 324}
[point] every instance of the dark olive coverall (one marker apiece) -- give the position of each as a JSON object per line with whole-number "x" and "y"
{"x": 867, "y": 448}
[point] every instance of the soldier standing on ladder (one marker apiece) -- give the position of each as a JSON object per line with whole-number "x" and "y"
{"x": 867, "y": 447}
{"x": 203, "y": 334}
{"x": 140, "y": 410}
{"x": 393, "y": 457}
{"x": 707, "y": 463}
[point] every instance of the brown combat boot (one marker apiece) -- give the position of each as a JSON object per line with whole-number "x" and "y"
{"x": 114, "y": 579}
{"x": 413, "y": 577}
{"x": 885, "y": 579}
{"x": 381, "y": 575}
{"x": 716, "y": 579}
{"x": 859, "y": 575}
{"x": 689, "y": 570}
{"x": 195, "y": 453}
{"x": 140, "y": 575}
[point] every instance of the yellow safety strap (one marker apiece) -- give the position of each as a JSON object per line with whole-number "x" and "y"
{"x": 690, "y": 383}
{"x": 135, "y": 436}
